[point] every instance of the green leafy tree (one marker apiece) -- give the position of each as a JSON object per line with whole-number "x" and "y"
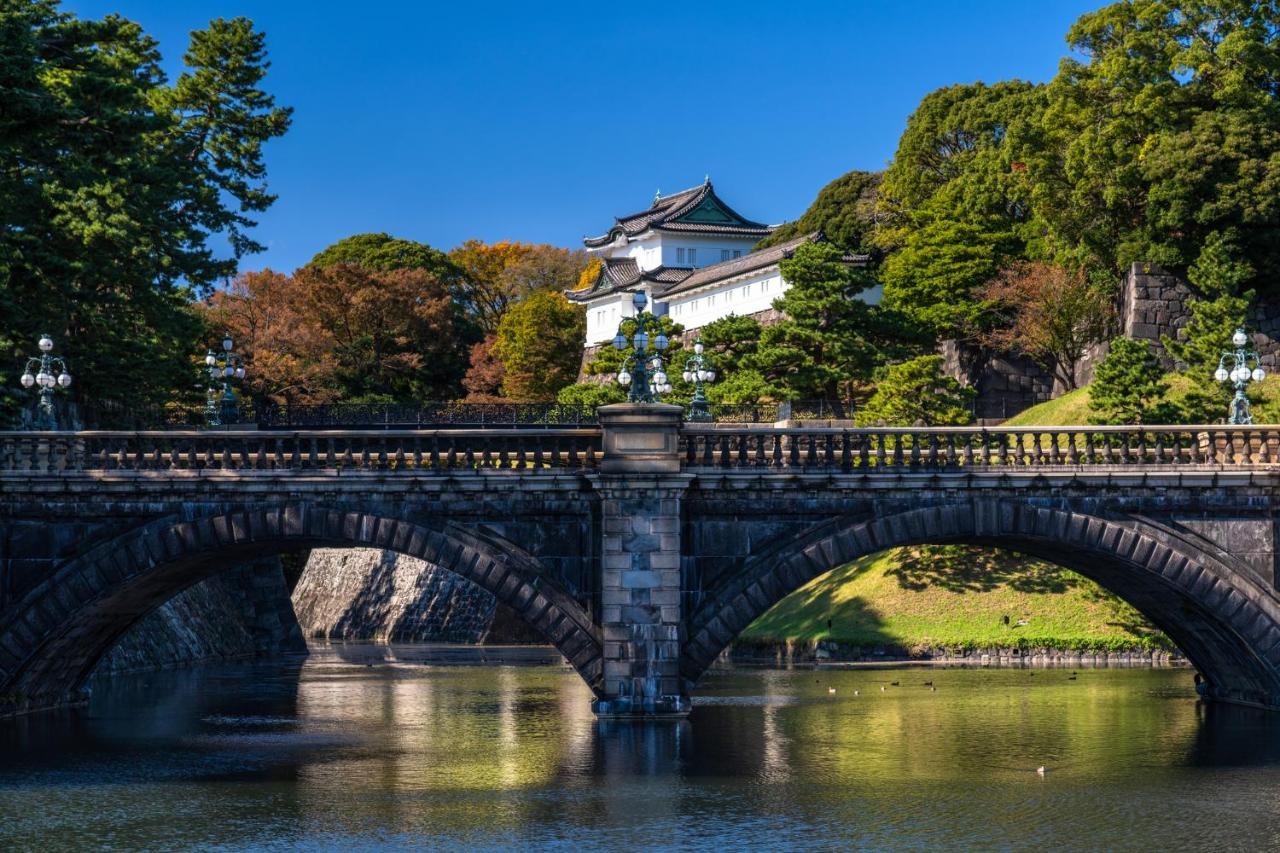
{"x": 384, "y": 252}
{"x": 591, "y": 395}
{"x": 830, "y": 340}
{"x": 1128, "y": 386}
{"x": 917, "y": 393}
{"x": 1162, "y": 128}
{"x": 119, "y": 189}
{"x": 953, "y": 207}
{"x": 844, "y": 212}
{"x": 539, "y": 342}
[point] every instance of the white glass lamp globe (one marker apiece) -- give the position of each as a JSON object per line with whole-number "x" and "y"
{"x": 661, "y": 342}
{"x": 1258, "y": 374}
{"x": 660, "y": 378}
{"x": 639, "y": 300}
{"x": 619, "y": 342}
{"x": 711, "y": 376}
{"x": 687, "y": 376}
{"x": 64, "y": 380}
{"x": 697, "y": 347}
{"x": 642, "y": 341}
{"x": 240, "y": 372}
{"x": 45, "y": 343}
{"x": 43, "y": 379}
{"x": 210, "y": 359}
{"x": 227, "y": 343}
{"x": 1239, "y": 338}
{"x": 27, "y": 380}
{"x": 624, "y": 378}
{"x": 1235, "y": 374}
{"x": 1221, "y": 374}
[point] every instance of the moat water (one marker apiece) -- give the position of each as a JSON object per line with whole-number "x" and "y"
{"x": 358, "y": 747}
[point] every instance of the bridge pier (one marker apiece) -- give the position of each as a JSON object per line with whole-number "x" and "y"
{"x": 641, "y": 620}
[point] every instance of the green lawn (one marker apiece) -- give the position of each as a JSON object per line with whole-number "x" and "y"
{"x": 956, "y": 597}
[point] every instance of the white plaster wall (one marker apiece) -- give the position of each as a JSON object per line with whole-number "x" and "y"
{"x": 743, "y": 296}
{"x": 604, "y": 314}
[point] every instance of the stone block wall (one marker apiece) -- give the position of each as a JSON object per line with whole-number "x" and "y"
{"x": 369, "y": 594}
{"x": 240, "y": 613}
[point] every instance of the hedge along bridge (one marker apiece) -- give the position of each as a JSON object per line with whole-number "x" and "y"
{"x": 639, "y": 548}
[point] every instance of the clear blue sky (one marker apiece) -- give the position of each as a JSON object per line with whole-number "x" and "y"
{"x": 541, "y": 121}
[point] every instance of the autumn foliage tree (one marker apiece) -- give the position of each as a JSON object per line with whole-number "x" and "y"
{"x": 501, "y": 274}
{"x": 290, "y": 356}
{"x": 1048, "y": 313}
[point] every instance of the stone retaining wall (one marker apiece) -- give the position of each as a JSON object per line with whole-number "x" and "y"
{"x": 243, "y": 612}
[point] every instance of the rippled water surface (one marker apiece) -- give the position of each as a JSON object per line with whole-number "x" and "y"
{"x": 358, "y": 747}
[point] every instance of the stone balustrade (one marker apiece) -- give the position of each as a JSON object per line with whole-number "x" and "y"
{"x": 975, "y": 447}
{"x": 415, "y": 451}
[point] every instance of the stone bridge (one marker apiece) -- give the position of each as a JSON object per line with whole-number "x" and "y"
{"x": 641, "y": 548}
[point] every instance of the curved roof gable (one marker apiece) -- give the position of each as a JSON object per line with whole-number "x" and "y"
{"x": 697, "y": 210}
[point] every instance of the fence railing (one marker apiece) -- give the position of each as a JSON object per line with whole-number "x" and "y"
{"x": 423, "y": 415}
{"x": 977, "y": 448}
{"x": 381, "y": 450}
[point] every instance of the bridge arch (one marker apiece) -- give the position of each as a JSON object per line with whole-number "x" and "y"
{"x": 1223, "y": 618}
{"x": 60, "y": 629}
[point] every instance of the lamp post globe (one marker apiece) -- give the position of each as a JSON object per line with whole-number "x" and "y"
{"x": 221, "y": 405}
{"x": 698, "y": 371}
{"x": 1234, "y": 367}
{"x": 45, "y": 374}
{"x": 642, "y": 372}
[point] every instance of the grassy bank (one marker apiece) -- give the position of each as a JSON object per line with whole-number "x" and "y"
{"x": 956, "y": 597}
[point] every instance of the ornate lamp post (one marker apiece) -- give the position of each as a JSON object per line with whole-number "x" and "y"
{"x": 698, "y": 371}
{"x": 642, "y": 373}
{"x": 1239, "y": 375}
{"x": 223, "y": 367}
{"x": 45, "y": 365}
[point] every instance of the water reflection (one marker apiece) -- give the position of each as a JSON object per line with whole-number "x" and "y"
{"x": 365, "y": 745}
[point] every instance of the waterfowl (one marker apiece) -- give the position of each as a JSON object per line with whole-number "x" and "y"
{"x": 831, "y": 690}
{"x": 1042, "y": 770}
{"x": 893, "y": 684}
{"x": 928, "y": 684}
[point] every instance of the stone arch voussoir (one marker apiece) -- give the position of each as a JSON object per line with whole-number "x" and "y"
{"x": 1221, "y": 617}
{"x": 55, "y": 634}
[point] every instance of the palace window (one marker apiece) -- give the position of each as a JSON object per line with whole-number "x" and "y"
{"x": 724, "y": 254}
{"x": 737, "y": 253}
{"x": 680, "y": 256}
{"x": 693, "y": 257}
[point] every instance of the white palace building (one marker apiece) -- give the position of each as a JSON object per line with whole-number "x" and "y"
{"x": 690, "y": 251}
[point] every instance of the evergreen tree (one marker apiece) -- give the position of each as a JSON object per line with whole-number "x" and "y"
{"x": 1128, "y": 386}
{"x": 117, "y": 187}
{"x": 829, "y": 340}
{"x": 917, "y": 393}
{"x": 844, "y": 212}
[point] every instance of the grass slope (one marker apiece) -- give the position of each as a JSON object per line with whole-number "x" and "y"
{"x": 955, "y": 597}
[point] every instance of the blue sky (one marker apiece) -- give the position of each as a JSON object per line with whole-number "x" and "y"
{"x": 542, "y": 121}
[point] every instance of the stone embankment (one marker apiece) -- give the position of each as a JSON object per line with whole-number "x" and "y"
{"x": 368, "y": 594}
{"x": 243, "y": 612}
{"x": 826, "y": 651}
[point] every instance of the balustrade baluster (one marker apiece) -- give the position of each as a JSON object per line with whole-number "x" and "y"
{"x": 776, "y": 452}
{"x": 968, "y": 449}
{"x": 933, "y": 450}
{"x": 915, "y": 438}
{"x": 864, "y": 450}
{"x": 573, "y": 462}
{"x": 811, "y": 450}
{"x": 744, "y": 449}
{"x": 880, "y": 453}
{"x": 538, "y": 462}
{"x": 898, "y": 461}
{"x": 846, "y": 456}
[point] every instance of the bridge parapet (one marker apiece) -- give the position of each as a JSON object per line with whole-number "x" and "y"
{"x": 418, "y": 451}
{"x": 978, "y": 448}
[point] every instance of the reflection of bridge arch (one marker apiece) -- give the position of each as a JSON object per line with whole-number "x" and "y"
{"x": 63, "y": 626}
{"x": 1208, "y": 603}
